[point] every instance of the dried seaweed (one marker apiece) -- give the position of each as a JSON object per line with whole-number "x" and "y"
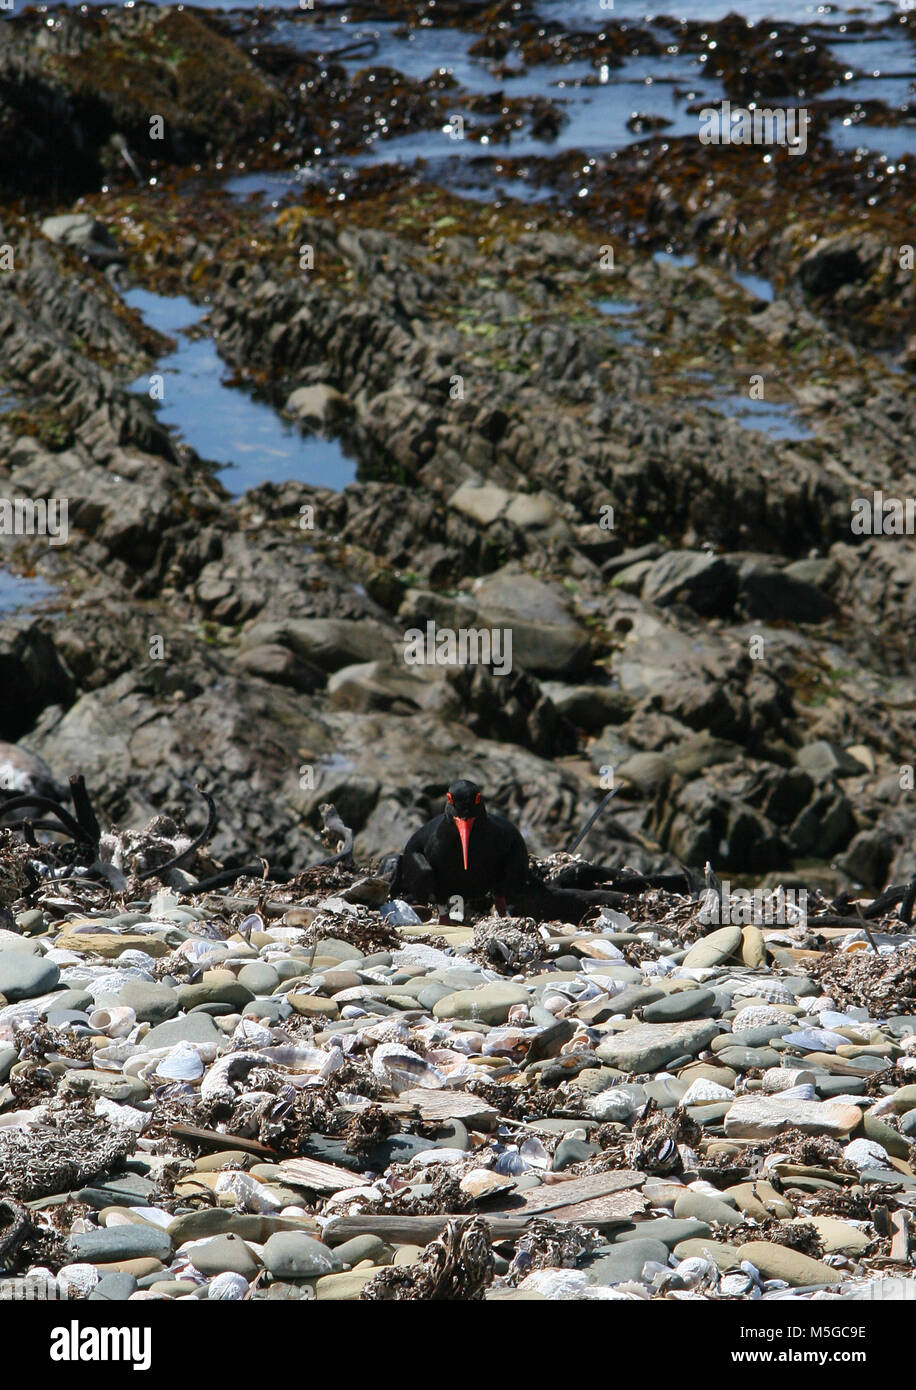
{"x": 369, "y": 1127}
{"x": 651, "y": 1145}
{"x": 65, "y": 1152}
{"x": 861, "y": 979}
{"x": 458, "y": 1266}
{"x": 551, "y": 1245}
{"x": 23, "y": 1243}
{"x": 803, "y": 1237}
{"x": 508, "y": 942}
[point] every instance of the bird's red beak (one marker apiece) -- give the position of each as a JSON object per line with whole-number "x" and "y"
{"x": 464, "y": 830}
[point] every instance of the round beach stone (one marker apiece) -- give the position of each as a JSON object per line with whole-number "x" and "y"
{"x": 191, "y": 1028}
{"x": 151, "y": 1001}
{"x": 294, "y": 1255}
{"x": 215, "y": 987}
{"x": 360, "y": 1248}
{"x": 23, "y": 975}
{"x": 705, "y": 1208}
{"x": 222, "y": 1253}
{"x": 489, "y": 1004}
{"x": 113, "y": 1288}
{"x": 259, "y": 978}
{"x": 714, "y": 949}
{"x": 722, "y": 1254}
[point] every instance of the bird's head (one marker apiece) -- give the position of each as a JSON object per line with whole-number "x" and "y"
{"x": 464, "y": 804}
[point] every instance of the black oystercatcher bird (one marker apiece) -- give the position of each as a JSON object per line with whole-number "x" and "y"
{"x": 467, "y": 852}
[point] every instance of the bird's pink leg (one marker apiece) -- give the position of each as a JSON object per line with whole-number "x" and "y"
{"x": 500, "y": 904}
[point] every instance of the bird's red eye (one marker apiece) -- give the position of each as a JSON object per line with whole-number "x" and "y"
{"x": 477, "y": 798}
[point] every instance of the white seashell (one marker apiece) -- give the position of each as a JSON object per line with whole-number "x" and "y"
{"x": 816, "y": 1039}
{"x": 556, "y": 1284}
{"x": 182, "y": 1063}
{"x": 702, "y": 1091}
{"x": 483, "y": 1182}
{"x": 534, "y": 1154}
{"x": 776, "y": 1079}
{"x": 115, "y": 1022}
{"x": 24, "y": 1119}
{"x": 697, "y": 1273}
{"x": 429, "y": 1157}
{"x": 615, "y": 921}
{"x": 510, "y": 1163}
{"x": 518, "y": 1014}
{"x": 353, "y": 1011}
{"x": 248, "y": 1030}
{"x": 596, "y": 949}
{"x": 803, "y": 1092}
{"x": 734, "y": 1284}
{"x": 610, "y": 1105}
{"x": 125, "y": 1116}
{"x": 866, "y": 1153}
{"x": 248, "y": 1192}
{"x": 115, "y": 1056}
{"x": 217, "y": 1084}
{"x": 401, "y": 1069}
{"x": 829, "y": 1018}
{"x": 227, "y": 1286}
{"x": 77, "y": 1280}
{"x": 773, "y": 991}
{"x": 398, "y": 913}
{"x": 310, "y": 1059}
{"x": 389, "y": 1030}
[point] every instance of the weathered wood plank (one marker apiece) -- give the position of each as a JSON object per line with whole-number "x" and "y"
{"x": 320, "y": 1177}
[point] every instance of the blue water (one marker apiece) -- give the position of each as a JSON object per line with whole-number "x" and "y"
{"x": 894, "y": 142}
{"x": 17, "y": 591}
{"x": 776, "y": 420}
{"x": 757, "y": 285}
{"x": 616, "y": 307}
{"x": 250, "y": 441}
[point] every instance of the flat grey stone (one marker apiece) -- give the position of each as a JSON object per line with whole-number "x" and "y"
{"x": 152, "y": 1002}
{"x": 668, "y": 1230}
{"x": 111, "y": 1244}
{"x": 648, "y": 1046}
{"x": 222, "y": 1253}
{"x": 113, "y": 1288}
{"x": 193, "y": 1028}
{"x": 620, "y": 1263}
{"x": 23, "y": 975}
{"x": 685, "y": 1004}
{"x": 295, "y": 1255}
{"x": 491, "y": 1004}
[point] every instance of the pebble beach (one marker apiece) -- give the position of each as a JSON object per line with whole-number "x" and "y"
{"x": 318, "y": 1099}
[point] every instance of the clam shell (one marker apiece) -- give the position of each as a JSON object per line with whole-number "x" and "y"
{"x": 115, "y": 1022}
{"x": 402, "y": 1070}
{"x": 182, "y": 1063}
{"x": 484, "y": 1182}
